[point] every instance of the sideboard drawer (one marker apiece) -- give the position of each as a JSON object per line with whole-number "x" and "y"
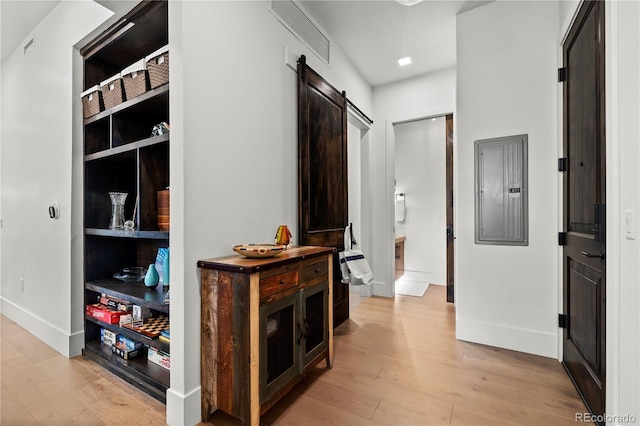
{"x": 278, "y": 283}
{"x": 313, "y": 271}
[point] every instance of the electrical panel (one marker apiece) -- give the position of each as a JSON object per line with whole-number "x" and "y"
{"x": 501, "y": 192}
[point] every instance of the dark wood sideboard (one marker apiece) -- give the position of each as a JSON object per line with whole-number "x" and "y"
{"x": 265, "y": 322}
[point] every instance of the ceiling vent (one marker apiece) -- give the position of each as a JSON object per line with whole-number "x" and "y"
{"x": 296, "y": 21}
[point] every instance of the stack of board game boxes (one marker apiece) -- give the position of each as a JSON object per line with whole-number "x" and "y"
{"x": 117, "y": 312}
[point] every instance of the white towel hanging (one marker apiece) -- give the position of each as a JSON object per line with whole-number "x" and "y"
{"x": 401, "y": 208}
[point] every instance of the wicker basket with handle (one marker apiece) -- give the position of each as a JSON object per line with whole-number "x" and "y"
{"x": 135, "y": 79}
{"x": 158, "y": 67}
{"x": 92, "y": 102}
{"x": 112, "y": 91}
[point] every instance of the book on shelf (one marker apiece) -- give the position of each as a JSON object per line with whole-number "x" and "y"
{"x": 115, "y": 304}
{"x": 124, "y": 352}
{"x": 108, "y": 337}
{"x": 159, "y": 357}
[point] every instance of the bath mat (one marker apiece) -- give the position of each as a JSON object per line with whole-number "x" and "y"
{"x": 411, "y": 288}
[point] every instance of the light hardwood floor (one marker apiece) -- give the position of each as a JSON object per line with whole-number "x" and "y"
{"x": 396, "y": 363}
{"x": 42, "y": 387}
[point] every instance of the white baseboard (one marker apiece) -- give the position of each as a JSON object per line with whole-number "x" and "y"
{"x": 501, "y": 336}
{"x": 183, "y": 410}
{"x": 69, "y": 345}
{"x": 381, "y": 289}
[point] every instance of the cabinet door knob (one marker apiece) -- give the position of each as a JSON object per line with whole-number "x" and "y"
{"x": 282, "y": 282}
{"x": 317, "y": 270}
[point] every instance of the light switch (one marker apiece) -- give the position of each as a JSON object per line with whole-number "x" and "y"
{"x": 630, "y": 224}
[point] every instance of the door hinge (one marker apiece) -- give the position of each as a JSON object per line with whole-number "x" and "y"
{"x": 562, "y": 238}
{"x": 562, "y": 321}
{"x": 562, "y": 164}
{"x": 562, "y": 74}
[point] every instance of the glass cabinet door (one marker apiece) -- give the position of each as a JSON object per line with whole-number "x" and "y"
{"x": 279, "y": 361}
{"x": 315, "y": 332}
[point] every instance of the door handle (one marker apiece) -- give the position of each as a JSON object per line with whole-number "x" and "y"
{"x": 306, "y": 328}
{"x": 592, "y": 256}
{"x": 300, "y": 333}
{"x": 600, "y": 222}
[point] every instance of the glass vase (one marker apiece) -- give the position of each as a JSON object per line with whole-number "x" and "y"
{"x": 117, "y": 209}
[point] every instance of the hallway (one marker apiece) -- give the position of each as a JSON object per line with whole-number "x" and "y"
{"x": 396, "y": 362}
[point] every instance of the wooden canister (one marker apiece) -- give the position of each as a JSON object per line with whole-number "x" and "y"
{"x": 163, "y": 210}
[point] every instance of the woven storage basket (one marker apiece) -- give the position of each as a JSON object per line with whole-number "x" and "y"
{"x": 92, "y": 102}
{"x": 112, "y": 91}
{"x": 158, "y": 67}
{"x": 135, "y": 79}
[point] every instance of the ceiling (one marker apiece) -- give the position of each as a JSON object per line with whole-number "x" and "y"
{"x": 373, "y": 33}
{"x": 18, "y": 18}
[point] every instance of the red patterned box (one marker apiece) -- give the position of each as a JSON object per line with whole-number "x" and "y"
{"x": 102, "y": 313}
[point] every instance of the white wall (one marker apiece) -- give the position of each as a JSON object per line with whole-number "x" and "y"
{"x": 567, "y": 10}
{"x": 38, "y": 112}
{"x": 360, "y": 191}
{"x": 425, "y": 96}
{"x": 233, "y": 153}
{"x": 354, "y": 178}
{"x": 420, "y": 166}
{"x": 507, "y": 296}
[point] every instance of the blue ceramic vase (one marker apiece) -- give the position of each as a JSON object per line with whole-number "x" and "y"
{"x": 152, "y": 278}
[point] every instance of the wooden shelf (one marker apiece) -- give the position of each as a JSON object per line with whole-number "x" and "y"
{"x": 132, "y": 146}
{"x": 128, "y": 104}
{"x": 139, "y": 371}
{"x": 121, "y": 155}
{"x": 119, "y": 233}
{"x": 130, "y": 334}
{"x": 136, "y": 293}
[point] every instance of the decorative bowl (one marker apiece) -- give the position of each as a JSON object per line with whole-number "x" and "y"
{"x": 258, "y": 251}
{"x": 131, "y": 274}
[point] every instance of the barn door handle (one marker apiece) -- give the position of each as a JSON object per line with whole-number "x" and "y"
{"x": 450, "y": 233}
{"x": 592, "y": 256}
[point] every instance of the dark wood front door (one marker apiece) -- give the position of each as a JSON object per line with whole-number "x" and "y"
{"x": 584, "y": 213}
{"x": 323, "y": 210}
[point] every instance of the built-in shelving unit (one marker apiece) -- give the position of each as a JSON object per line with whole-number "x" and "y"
{"x": 121, "y": 155}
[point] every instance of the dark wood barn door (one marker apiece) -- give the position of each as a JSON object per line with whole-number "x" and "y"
{"x": 584, "y": 213}
{"x": 323, "y": 210}
{"x": 449, "y": 208}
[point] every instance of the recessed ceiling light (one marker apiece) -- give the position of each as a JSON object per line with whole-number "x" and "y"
{"x": 403, "y": 62}
{"x": 408, "y": 2}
